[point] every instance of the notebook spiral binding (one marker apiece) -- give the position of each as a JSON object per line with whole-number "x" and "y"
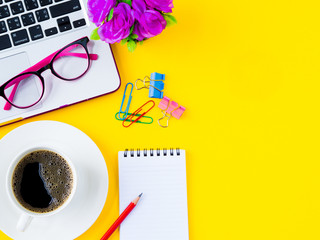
{"x": 151, "y": 152}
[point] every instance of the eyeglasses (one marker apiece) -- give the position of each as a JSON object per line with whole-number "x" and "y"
{"x": 27, "y": 88}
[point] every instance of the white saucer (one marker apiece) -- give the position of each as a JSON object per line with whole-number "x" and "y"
{"x": 92, "y": 188}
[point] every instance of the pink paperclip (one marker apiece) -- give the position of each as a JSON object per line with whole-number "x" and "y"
{"x": 177, "y": 113}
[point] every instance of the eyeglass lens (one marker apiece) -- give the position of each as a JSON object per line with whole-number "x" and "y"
{"x": 72, "y": 62}
{"x": 27, "y": 90}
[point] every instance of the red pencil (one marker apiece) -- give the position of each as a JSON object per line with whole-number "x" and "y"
{"x": 123, "y": 215}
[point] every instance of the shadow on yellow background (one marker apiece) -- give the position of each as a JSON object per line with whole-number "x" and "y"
{"x": 248, "y": 74}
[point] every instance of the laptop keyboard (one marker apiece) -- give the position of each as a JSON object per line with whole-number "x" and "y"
{"x": 25, "y": 21}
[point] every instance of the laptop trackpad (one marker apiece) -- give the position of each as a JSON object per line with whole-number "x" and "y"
{"x": 10, "y": 67}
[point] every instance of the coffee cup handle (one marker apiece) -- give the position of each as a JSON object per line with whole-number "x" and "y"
{"x": 24, "y": 222}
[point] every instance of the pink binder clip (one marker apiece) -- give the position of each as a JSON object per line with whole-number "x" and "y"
{"x": 164, "y": 103}
{"x": 177, "y": 113}
{"x": 170, "y": 108}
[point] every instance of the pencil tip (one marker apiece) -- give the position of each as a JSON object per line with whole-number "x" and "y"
{"x": 140, "y": 195}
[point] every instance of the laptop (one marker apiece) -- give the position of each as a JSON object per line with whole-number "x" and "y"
{"x": 31, "y": 30}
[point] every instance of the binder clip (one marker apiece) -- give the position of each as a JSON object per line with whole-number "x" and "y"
{"x": 125, "y": 113}
{"x": 170, "y": 108}
{"x": 155, "y": 84}
{"x": 138, "y": 114}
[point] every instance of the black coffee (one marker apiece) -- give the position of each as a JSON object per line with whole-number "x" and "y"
{"x": 42, "y": 181}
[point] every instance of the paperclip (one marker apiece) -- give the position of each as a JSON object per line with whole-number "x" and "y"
{"x": 145, "y": 122}
{"x": 128, "y": 104}
{"x": 135, "y": 113}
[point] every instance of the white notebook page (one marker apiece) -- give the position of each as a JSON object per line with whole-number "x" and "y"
{"x": 162, "y": 212}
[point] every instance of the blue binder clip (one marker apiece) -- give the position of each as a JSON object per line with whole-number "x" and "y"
{"x": 155, "y": 86}
{"x": 122, "y": 115}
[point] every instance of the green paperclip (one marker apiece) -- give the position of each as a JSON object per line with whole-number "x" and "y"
{"x": 139, "y": 121}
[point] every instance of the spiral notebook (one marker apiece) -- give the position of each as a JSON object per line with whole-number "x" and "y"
{"x": 162, "y": 212}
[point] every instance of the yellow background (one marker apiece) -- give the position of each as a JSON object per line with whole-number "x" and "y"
{"x": 248, "y": 74}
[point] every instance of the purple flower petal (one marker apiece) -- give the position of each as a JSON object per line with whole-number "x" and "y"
{"x": 139, "y": 7}
{"x": 161, "y": 5}
{"x": 150, "y": 24}
{"x": 98, "y": 10}
{"x": 119, "y": 26}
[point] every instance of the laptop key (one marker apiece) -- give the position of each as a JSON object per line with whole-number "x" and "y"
{"x": 51, "y": 31}
{"x": 45, "y": 2}
{"x": 31, "y": 4}
{"x": 28, "y": 19}
{"x": 42, "y": 15}
{"x": 16, "y": 7}
{"x": 65, "y": 8}
{"x": 20, "y": 37}
{"x": 3, "y": 27}
{"x": 1, "y": 1}
{"x": 36, "y": 32}
{"x": 8, "y": 1}
{"x": 64, "y": 24}
{"x": 4, "y": 12}
{"x": 79, "y": 23}
{"x": 14, "y": 23}
{"x": 5, "y": 42}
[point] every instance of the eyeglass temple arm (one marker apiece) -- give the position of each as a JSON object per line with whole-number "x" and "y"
{"x": 41, "y": 64}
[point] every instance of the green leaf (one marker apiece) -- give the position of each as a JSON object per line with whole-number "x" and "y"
{"x": 95, "y": 35}
{"x": 171, "y": 20}
{"x": 131, "y": 45}
{"x": 141, "y": 42}
{"x": 124, "y": 41}
{"x": 134, "y": 36}
{"x": 110, "y": 14}
{"x": 127, "y": 2}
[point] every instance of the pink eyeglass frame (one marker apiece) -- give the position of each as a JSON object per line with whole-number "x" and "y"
{"x": 44, "y": 65}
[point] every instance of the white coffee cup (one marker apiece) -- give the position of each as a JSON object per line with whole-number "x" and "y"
{"x": 27, "y": 215}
